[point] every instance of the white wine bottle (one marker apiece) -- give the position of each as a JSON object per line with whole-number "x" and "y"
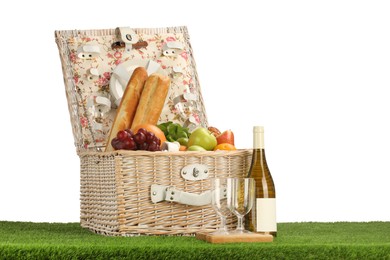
{"x": 262, "y": 218}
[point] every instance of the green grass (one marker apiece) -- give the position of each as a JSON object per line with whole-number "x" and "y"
{"x": 342, "y": 240}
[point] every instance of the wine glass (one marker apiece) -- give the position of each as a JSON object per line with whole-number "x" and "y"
{"x": 241, "y": 200}
{"x": 219, "y": 201}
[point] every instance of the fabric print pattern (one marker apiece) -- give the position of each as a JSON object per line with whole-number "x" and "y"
{"x": 92, "y": 72}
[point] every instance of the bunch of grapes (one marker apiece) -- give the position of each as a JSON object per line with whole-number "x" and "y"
{"x": 142, "y": 140}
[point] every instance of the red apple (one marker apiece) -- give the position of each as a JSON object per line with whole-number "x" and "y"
{"x": 226, "y": 137}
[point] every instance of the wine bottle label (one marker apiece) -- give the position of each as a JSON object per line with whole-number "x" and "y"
{"x": 266, "y": 215}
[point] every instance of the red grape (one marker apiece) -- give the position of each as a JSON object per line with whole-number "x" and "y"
{"x": 129, "y": 144}
{"x": 139, "y": 138}
{"x": 129, "y": 132}
{"x": 142, "y": 140}
{"x": 157, "y": 140}
{"x": 117, "y": 144}
{"x": 153, "y": 146}
{"x": 122, "y": 135}
{"x": 150, "y": 137}
{"x": 142, "y": 130}
{"x": 143, "y": 146}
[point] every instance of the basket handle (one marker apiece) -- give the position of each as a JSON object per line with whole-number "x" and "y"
{"x": 160, "y": 193}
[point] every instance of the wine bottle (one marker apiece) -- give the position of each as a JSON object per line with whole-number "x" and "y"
{"x": 262, "y": 218}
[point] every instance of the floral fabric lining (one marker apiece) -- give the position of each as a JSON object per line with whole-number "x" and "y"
{"x": 93, "y": 60}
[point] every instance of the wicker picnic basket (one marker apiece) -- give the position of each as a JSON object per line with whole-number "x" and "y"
{"x": 116, "y": 193}
{"x": 139, "y": 192}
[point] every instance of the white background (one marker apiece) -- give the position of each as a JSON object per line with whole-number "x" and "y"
{"x": 314, "y": 73}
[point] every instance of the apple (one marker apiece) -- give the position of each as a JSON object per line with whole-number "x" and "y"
{"x": 196, "y": 148}
{"x": 226, "y": 137}
{"x": 202, "y": 137}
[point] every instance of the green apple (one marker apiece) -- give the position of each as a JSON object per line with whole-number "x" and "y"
{"x": 196, "y": 148}
{"x": 202, "y": 137}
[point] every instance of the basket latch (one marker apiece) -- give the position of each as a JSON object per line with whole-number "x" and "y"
{"x": 195, "y": 172}
{"x": 127, "y": 36}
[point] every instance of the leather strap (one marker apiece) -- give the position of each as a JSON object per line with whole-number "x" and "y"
{"x": 169, "y": 193}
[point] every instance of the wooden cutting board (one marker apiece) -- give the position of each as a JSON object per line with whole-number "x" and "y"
{"x": 234, "y": 238}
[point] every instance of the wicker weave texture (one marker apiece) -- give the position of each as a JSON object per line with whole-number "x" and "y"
{"x": 115, "y": 191}
{"x": 98, "y": 207}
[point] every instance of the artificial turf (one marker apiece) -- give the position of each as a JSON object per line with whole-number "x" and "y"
{"x": 340, "y": 240}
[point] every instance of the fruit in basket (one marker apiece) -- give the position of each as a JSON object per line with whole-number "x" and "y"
{"x": 196, "y": 148}
{"x": 225, "y": 146}
{"x": 124, "y": 141}
{"x": 226, "y": 137}
{"x": 215, "y": 131}
{"x": 152, "y": 128}
{"x": 139, "y": 137}
{"x": 141, "y": 140}
{"x": 202, "y": 137}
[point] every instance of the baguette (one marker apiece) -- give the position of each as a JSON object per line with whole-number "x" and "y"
{"x": 128, "y": 105}
{"x": 152, "y": 100}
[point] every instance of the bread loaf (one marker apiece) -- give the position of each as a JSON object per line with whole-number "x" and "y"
{"x": 152, "y": 100}
{"x": 128, "y": 105}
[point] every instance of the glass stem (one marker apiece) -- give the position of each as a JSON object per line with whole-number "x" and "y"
{"x": 223, "y": 224}
{"x": 239, "y": 223}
